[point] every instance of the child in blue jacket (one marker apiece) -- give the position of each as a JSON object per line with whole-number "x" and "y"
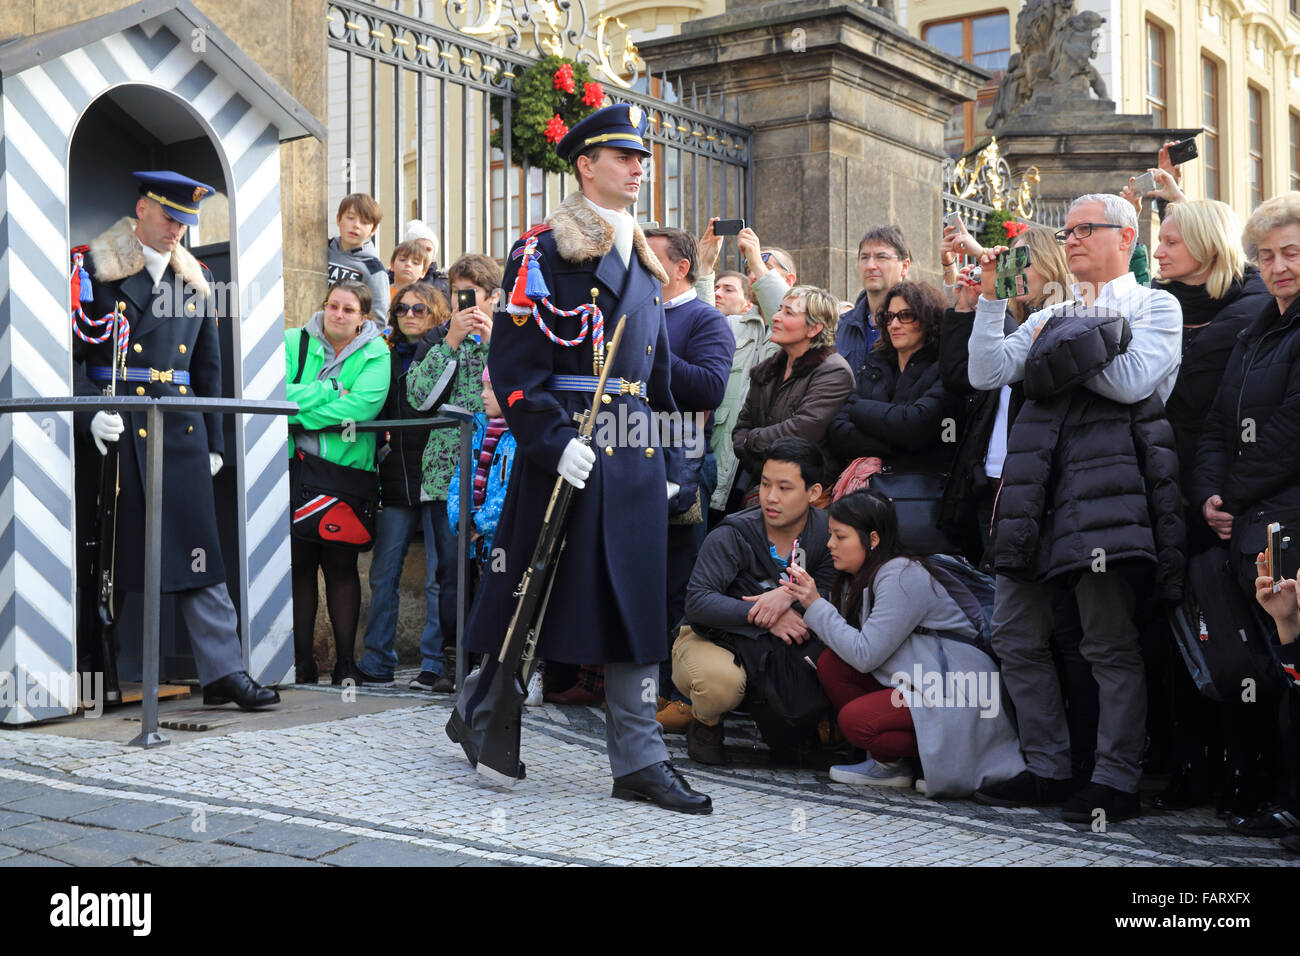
{"x": 493, "y": 453}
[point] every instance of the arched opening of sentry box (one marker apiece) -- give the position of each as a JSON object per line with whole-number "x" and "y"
{"x": 131, "y": 127}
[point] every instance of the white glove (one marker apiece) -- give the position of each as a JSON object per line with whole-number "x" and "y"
{"x": 214, "y": 462}
{"x": 576, "y": 463}
{"x": 673, "y": 488}
{"x": 106, "y": 426}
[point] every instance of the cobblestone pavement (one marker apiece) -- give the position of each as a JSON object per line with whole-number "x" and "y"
{"x": 389, "y": 788}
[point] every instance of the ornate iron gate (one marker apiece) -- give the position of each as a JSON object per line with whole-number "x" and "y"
{"x": 411, "y": 86}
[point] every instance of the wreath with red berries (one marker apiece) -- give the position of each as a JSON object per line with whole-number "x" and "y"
{"x": 551, "y": 96}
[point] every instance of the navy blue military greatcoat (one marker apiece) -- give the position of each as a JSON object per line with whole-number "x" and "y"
{"x": 608, "y": 599}
{"x": 173, "y": 328}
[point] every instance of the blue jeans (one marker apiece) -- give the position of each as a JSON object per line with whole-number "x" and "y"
{"x": 394, "y": 528}
{"x": 444, "y": 543}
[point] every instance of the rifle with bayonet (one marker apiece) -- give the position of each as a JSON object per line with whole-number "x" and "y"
{"x": 498, "y": 752}
{"x": 103, "y": 545}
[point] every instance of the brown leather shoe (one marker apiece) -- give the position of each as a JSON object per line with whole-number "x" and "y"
{"x": 675, "y": 716}
{"x": 576, "y": 695}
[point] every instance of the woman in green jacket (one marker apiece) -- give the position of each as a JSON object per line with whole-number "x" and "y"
{"x": 344, "y": 379}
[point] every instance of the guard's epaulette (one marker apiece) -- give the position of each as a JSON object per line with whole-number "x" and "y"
{"x": 523, "y": 240}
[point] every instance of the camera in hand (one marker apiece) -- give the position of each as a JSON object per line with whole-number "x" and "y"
{"x": 1146, "y": 183}
{"x": 728, "y": 227}
{"x": 465, "y": 299}
{"x": 1180, "y": 153}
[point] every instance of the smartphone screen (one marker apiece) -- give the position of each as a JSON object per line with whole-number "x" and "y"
{"x": 1010, "y": 280}
{"x": 728, "y": 227}
{"x": 952, "y": 219}
{"x": 1146, "y": 183}
{"x": 465, "y": 299}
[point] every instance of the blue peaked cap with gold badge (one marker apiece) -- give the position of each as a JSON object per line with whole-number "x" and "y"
{"x": 621, "y": 126}
{"x": 177, "y": 194}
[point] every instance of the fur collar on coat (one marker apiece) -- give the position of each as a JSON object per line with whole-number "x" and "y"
{"x": 117, "y": 254}
{"x": 580, "y": 234}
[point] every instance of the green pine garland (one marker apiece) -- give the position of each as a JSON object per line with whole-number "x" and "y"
{"x": 537, "y": 102}
{"x": 993, "y": 234}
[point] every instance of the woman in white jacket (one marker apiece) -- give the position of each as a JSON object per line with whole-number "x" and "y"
{"x": 900, "y": 690}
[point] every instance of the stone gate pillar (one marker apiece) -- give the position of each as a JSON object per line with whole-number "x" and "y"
{"x": 848, "y": 112}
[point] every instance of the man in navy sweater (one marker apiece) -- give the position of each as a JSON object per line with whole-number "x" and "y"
{"x": 702, "y": 348}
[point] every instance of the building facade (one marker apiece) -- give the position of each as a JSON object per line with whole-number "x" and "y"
{"x": 1231, "y": 67}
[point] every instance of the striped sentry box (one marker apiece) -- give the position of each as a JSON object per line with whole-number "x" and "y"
{"x": 46, "y": 84}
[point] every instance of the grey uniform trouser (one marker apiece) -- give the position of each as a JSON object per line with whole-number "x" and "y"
{"x": 1022, "y": 627}
{"x": 213, "y": 628}
{"x": 633, "y": 738}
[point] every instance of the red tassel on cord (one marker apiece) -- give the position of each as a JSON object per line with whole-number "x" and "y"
{"x": 519, "y": 294}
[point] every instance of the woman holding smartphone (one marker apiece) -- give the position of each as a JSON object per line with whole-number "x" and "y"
{"x": 900, "y": 690}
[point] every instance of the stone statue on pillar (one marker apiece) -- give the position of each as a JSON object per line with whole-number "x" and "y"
{"x": 1053, "y": 70}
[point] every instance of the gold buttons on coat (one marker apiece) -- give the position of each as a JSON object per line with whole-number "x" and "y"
{"x": 190, "y": 429}
{"x": 183, "y": 390}
{"x": 656, "y": 300}
{"x": 139, "y": 389}
{"x": 648, "y": 348}
{"x": 143, "y": 433}
{"x": 138, "y": 347}
{"x": 605, "y": 399}
{"x": 182, "y": 348}
{"x": 609, "y": 449}
{"x": 189, "y": 306}
{"x": 649, "y": 452}
{"x": 594, "y": 292}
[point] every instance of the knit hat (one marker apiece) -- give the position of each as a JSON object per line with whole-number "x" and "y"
{"x": 417, "y": 229}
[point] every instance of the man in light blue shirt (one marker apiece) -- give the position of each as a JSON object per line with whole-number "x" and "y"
{"x": 1098, "y": 236}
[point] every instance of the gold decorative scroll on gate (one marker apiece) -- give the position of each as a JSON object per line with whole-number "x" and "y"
{"x": 987, "y": 179}
{"x": 551, "y": 28}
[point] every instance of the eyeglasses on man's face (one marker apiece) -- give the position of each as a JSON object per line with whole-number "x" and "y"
{"x": 1083, "y": 230}
{"x": 905, "y": 317}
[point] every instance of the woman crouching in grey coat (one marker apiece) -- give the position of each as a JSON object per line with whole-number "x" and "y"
{"x": 900, "y": 690}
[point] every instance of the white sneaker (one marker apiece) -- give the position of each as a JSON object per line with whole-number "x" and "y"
{"x": 920, "y": 785}
{"x": 534, "y": 697}
{"x": 874, "y": 773}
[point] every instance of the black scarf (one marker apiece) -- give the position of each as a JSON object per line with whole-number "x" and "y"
{"x": 1198, "y": 305}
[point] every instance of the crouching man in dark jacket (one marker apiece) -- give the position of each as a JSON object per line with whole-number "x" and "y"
{"x": 1089, "y": 500}
{"x": 736, "y": 610}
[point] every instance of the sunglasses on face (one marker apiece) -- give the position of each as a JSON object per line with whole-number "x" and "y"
{"x": 905, "y": 317}
{"x": 419, "y": 309}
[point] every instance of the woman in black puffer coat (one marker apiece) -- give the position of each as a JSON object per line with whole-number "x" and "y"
{"x": 1203, "y": 266}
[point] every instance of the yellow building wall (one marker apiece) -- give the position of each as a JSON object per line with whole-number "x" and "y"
{"x": 1254, "y": 41}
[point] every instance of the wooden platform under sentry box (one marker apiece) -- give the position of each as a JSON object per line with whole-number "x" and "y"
{"x": 133, "y": 693}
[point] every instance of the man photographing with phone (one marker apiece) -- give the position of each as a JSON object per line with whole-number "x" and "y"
{"x": 1043, "y": 541}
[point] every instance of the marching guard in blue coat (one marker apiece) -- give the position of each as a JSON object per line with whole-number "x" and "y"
{"x": 567, "y": 284}
{"x": 167, "y": 345}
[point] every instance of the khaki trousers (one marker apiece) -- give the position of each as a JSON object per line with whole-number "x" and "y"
{"x": 708, "y": 675}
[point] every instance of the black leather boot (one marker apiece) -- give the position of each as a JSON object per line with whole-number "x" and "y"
{"x": 1188, "y": 787}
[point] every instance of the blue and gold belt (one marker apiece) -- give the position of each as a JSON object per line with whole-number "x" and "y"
{"x": 588, "y": 383}
{"x": 103, "y": 374}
